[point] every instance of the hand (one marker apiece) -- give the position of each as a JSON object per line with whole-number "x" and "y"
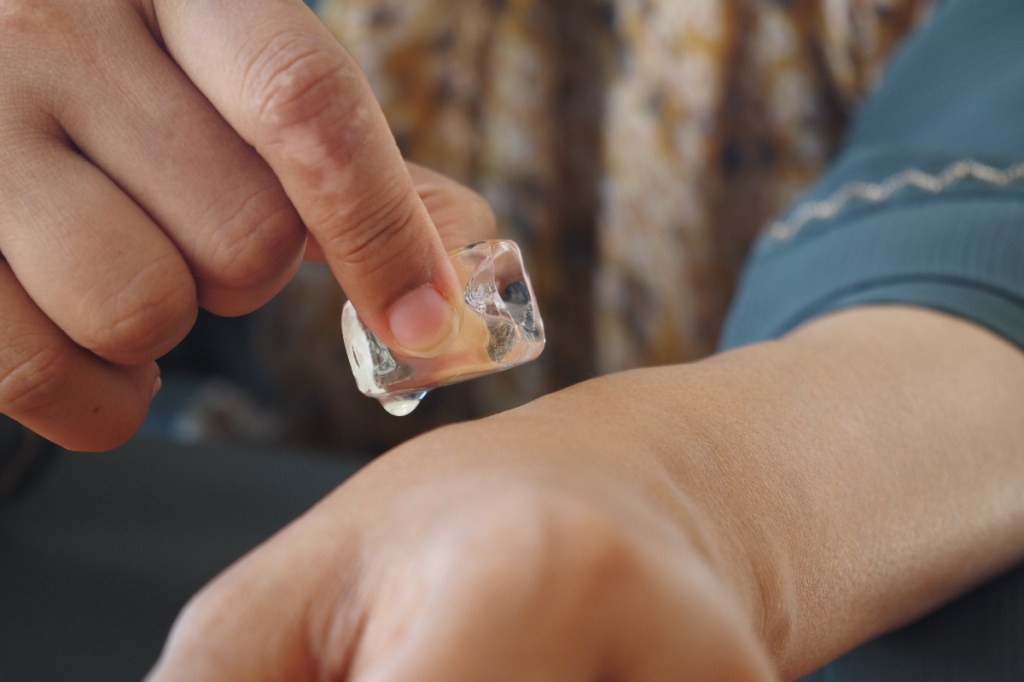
{"x": 160, "y": 155}
{"x": 536, "y": 557}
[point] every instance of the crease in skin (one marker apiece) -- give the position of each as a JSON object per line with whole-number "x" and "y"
{"x": 242, "y": 231}
{"x": 334, "y": 645}
{"x": 151, "y": 20}
{"x": 32, "y": 383}
{"x": 279, "y": 99}
{"x": 384, "y": 233}
{"x": 145, "y": 327}
{"x": 294, "y": 102}
{"x": 229, "y": 294}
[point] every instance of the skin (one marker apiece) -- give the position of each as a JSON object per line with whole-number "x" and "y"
{"x": 774, "y": 507}
{"x": 161, "y": 155}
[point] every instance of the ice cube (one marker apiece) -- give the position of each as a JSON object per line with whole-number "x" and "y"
{"x": 500, "y": 328}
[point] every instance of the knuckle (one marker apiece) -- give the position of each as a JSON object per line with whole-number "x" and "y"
{"x": 294, "y": 82}
{"x": 33, "y": 375}
{"x": 577, "y": 533}
{"x": 552, "y": 551}
{"x": 143, "y": 317}
{"x": 590, "y": 550}
{"x": 254, "y": 241}
{"x": 593, "y": 543}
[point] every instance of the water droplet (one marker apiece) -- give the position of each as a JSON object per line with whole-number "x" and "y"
{"x": 402, "y": 404}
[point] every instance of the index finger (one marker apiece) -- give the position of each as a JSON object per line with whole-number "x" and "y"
{"x": 288, "y": 88}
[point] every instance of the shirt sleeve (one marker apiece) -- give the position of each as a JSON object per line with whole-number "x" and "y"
{"x": 925, "y": 206}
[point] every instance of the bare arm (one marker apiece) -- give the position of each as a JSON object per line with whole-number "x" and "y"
{"x": 781, "y": 503}
{"x": 867, "y": 468}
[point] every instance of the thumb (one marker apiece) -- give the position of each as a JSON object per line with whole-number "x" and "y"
{"x": 289, "y": 89}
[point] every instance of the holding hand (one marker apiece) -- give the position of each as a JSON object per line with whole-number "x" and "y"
{"x": 162, "y": 155}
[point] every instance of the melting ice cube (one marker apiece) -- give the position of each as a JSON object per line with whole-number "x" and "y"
{"x": 501, "y": 328}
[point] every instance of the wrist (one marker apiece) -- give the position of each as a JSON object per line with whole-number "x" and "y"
{"x": 671, "y": 460}
{"x": 692, "y": 464}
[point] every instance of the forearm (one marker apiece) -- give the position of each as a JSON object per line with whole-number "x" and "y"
{"x": 845, "y": 479}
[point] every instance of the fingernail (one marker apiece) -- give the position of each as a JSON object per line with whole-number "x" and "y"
{"x": 156, "y": 386}
{"x": 423, "y": 323}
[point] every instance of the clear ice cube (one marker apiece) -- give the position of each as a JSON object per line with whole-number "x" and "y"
{"x": 500, "y": 328}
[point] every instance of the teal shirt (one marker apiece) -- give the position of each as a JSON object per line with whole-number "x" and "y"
{"x": 955, "y": 95}
{"x": 949, "y": 238}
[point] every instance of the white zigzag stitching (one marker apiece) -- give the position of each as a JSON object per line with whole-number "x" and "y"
{"x": 877, "y": 193}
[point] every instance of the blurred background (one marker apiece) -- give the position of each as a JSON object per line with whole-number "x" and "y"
{"x": 633, "y": 148}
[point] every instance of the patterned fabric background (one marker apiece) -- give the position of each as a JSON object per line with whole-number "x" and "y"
{"x": 632, "y": 147}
